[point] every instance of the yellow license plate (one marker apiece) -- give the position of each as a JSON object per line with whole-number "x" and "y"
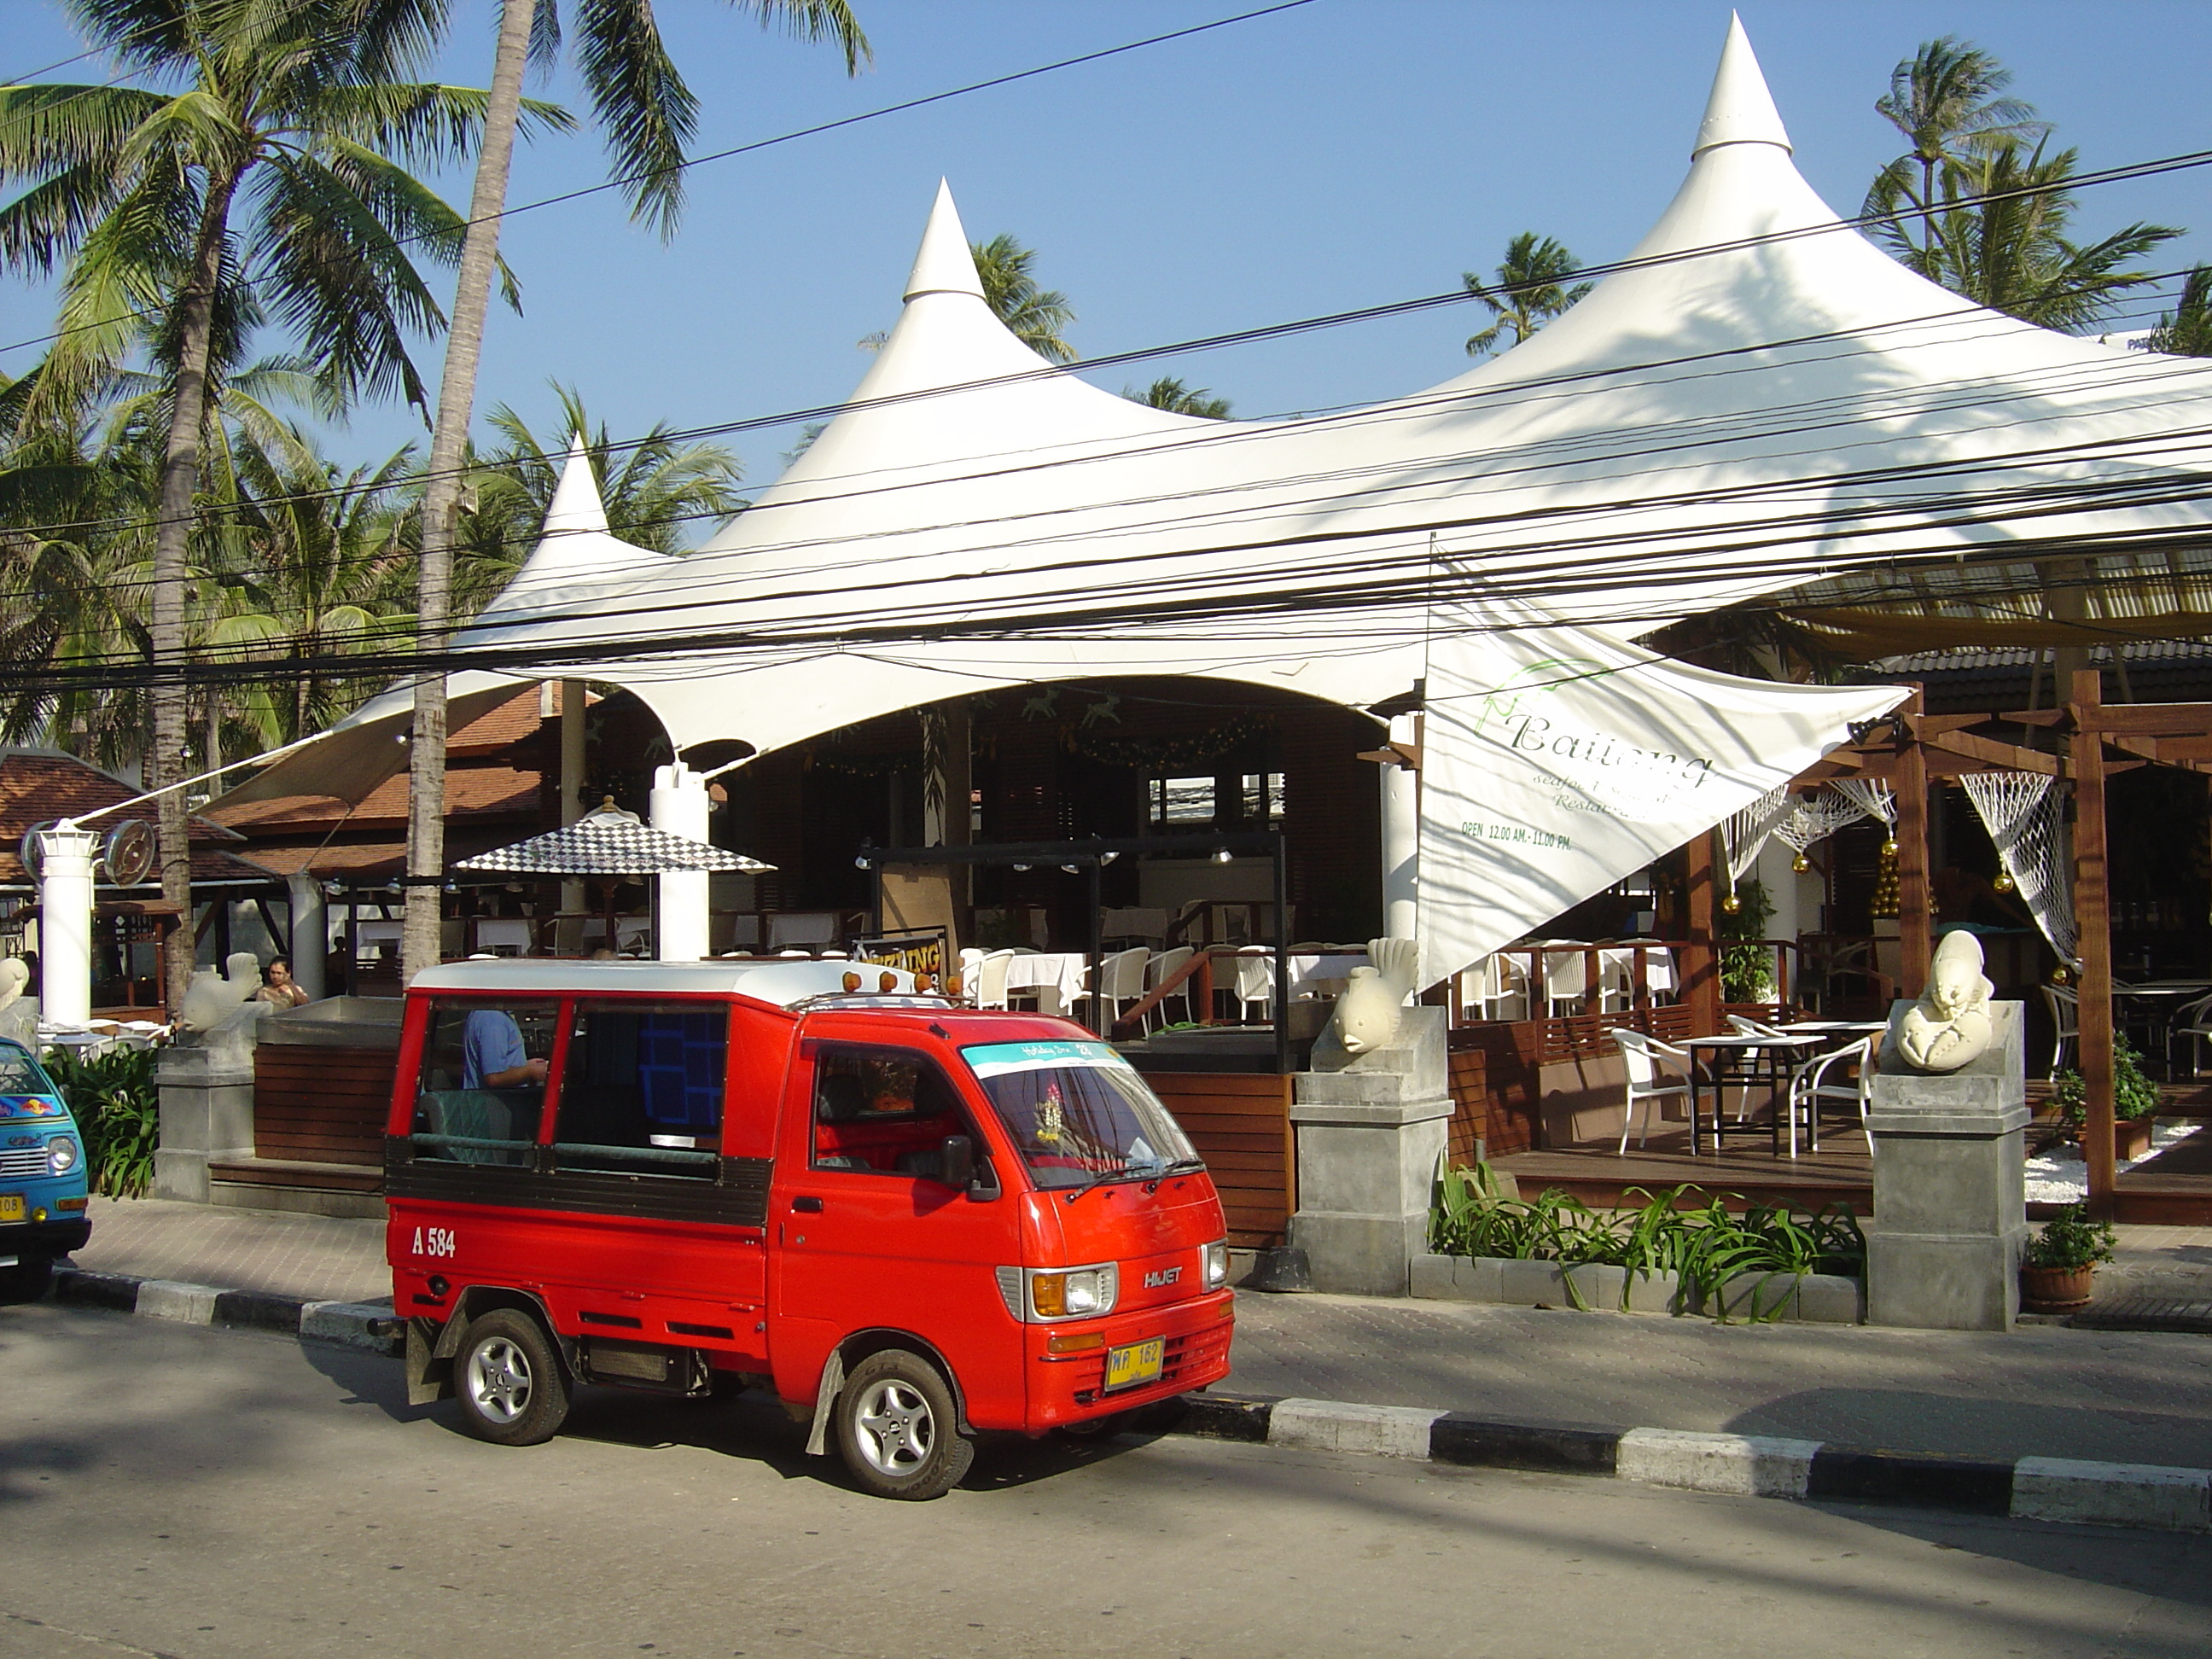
{"x": 11, "y": 1209}
{"x": 1137, "y": 1362}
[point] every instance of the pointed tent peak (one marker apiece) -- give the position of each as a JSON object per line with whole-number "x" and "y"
{"x": 1740, "y": 110}
{"x": 944, "y": 265}
{"x": 576, "y": 504}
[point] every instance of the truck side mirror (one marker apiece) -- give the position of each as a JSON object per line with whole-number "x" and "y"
{"x": 957, "y": 1164}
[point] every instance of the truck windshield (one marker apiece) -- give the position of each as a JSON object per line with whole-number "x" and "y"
{"x": 1079, "y": 1113}
{"x": 19, "y": 1074}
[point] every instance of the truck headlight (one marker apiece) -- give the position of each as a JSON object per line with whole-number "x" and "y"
{"x": 61, "y": 1155}
{"x": 1075, "y": 1293}
{"x": 1217, "y": 1264}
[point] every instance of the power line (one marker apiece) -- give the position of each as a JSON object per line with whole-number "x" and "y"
{"x": 764, "y": 143}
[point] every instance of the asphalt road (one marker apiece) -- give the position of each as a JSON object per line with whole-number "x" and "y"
{"x": 219, "y": 1495}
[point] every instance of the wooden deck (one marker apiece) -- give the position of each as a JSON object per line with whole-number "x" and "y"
{"x": 1838, "y": 1173}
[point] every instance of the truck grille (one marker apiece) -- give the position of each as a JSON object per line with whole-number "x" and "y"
{"x": 23, "y": 1163}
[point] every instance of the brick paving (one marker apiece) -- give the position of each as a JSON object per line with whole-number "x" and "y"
{"x": 2041, "y": 1391}
{"x": 311, "y": 1257}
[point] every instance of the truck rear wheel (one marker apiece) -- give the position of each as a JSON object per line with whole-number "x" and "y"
{"x": 508, "y": 1380}
{"x": 898, "y": 1430}
{"x": 27, "y": 1280}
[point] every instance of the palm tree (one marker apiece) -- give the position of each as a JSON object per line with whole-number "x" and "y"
{"x": 658, "y": 493}
{"x": 1034, "y": 315}
{"x": 1170, "y": 393}
{"x": 1946, "y": 100}
{"x": 2012, "y": 253}
{"x": 305, "y": 563}
{"x": 648, "y": 114}
{"x": 2187, "y": 330}
{"x": 286, "y": 145}
{"x": 1530, "y": 291}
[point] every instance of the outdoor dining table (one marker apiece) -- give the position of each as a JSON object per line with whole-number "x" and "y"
{"x": 1741, "y": 1061}
{"x": 1055, "y": 976}
{"x": 2156, "y": 1001}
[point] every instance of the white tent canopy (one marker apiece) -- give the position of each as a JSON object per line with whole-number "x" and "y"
{"x": 1761, "y": 398}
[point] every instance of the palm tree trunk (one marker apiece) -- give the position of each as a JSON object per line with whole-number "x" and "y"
{"x": 181, "y": 469}
{"x": 426, "y": 759}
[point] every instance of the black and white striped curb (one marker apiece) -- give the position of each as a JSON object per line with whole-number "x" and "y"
{"x": 354, "y": 1324}
{"x": 2139, "y": 1495}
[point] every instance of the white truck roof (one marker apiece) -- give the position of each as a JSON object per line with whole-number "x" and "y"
{"x": 782, "y": 983}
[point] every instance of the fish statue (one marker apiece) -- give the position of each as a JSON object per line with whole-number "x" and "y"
{"x": 212, "y": 998}
{"x": 1369, "y": 1012}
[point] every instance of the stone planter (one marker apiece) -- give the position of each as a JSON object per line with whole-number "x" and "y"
{"x": 1821, "y": 1298}
{"x": 2056, "y": 1290}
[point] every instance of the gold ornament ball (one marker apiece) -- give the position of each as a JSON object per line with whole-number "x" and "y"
{"x": 2003, "y": 882}
{"x": 1890, "y": 847}
{"x": 1801, "y": 864}
{"x": 1731, "y": 904}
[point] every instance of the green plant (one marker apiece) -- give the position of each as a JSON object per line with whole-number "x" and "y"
{"x": 1705, "y": 1245}
{"x": 1746, "y": 970}
{"x": 2134, "y": 1095}
{"x": 2070, "y": 1239}
{"x": 117, "y": 1109}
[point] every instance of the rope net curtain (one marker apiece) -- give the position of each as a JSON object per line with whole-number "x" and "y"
{"x": 2024, "y": 813}
{"x": 1743, "y": 834}
{"x": 1819, "y": 818}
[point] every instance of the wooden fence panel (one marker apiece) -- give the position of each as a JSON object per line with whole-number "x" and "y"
{"x": 318, "y": 1105}
{"x": 1240, "y": 1122}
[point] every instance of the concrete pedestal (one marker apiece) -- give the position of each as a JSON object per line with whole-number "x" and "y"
{"x": 206, "y": 1083}
{"x": 1370, "y": 1132}
{"x": 1950, "y": 1217}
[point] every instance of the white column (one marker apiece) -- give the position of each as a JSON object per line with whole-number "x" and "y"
{"x": 573, "y": 896}
{"x": 1401, "y": 838}
{"x": 65, "y": 926}
{"x": 679, "y": 807}
{"x": 311, "y": 932}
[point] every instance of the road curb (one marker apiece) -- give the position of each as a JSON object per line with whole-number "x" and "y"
{"x": 351, "y": 1324}
{"x": 2147, "y": 1496}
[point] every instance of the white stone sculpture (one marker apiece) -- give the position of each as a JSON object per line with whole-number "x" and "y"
{"x": 1949, "y": 1026}
{"x": 212, "y": 998}
{"x": 1368, "y": 1013}
{"x": 18, "y": 1013}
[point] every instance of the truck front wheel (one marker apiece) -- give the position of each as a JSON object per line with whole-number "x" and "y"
{"x": 509, "y": 1381}
{"x": 898, "y": 1429}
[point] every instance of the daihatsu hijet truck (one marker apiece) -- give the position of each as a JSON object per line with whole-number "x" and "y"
{"x": 42, "y": 1177}
{"x": 915, "y": 1222}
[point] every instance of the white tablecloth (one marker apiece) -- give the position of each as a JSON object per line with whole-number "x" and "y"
{"x": 1323, "y": 975}
{"x": 1057, "y": 977}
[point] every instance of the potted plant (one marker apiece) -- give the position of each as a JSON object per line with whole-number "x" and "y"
{"x": 2134, "y": 1104}
{"x": 2060, "y": 1267}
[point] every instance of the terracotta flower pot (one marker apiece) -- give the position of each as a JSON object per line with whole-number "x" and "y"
{"x": 2056, "y": 1290}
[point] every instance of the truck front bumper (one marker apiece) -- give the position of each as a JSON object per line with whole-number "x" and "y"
{"x": 1070, "y": 1388}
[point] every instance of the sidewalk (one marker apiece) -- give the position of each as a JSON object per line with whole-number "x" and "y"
{"x": 2041, "y": 1391}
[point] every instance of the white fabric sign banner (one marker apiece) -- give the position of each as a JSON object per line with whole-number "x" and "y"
{"x": 1554, "y": 762}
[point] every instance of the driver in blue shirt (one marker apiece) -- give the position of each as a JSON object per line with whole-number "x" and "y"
{"x": 492, "y": 1055}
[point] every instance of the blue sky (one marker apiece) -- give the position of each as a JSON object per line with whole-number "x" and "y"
{"x": 1347, "y": 154}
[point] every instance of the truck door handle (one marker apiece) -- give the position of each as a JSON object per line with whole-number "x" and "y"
{"x": 806, "y": 1205}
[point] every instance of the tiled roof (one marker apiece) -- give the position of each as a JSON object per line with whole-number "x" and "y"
{"x": 470, "y": 791}
{"x": 36, "y": 785}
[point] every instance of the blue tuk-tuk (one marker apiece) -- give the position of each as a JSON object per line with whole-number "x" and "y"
{"x": 43, "y": 1191}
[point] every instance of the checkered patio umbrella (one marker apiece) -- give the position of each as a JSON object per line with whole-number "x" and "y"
{"x": 607, "y": 842}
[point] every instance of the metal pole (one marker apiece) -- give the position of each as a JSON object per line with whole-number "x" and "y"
{"x": 1282, "y": 958}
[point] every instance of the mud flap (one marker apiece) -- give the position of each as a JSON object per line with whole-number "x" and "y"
{"x": 429, "y": 1375}
{"x": 825, "y": 1398}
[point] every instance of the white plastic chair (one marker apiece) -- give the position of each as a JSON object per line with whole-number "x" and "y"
{"x": 1499, "y": 984}
{"x": 1161, "y": 969}
{"x": 2194, "y": 1021}
{"x": 1120, "y": 982}
{"x": 1255, "y": 985}
{"x": 1644, "y": 1056}
{"x": 1810, "y": 1085}
{"x": 971, "y": 963}
{"x": 2065, "y": 1005}
{"x": 990, "y": 981}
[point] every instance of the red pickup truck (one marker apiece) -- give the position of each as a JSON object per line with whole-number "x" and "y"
{"x": 913, "y": 1221}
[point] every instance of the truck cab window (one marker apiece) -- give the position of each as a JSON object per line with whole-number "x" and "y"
{"x": 641, "y": 1089}
{"x": 482, "y": 1090}
{"x": 882, "y": 1111}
